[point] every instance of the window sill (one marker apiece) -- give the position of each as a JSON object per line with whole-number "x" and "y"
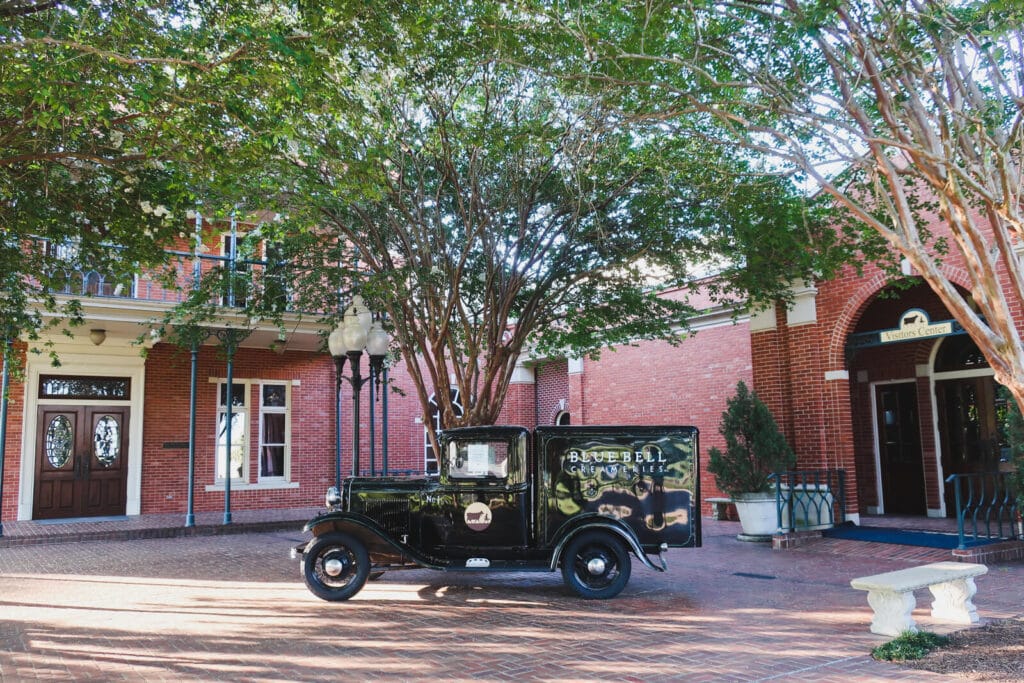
{"x": 246, "y": 486}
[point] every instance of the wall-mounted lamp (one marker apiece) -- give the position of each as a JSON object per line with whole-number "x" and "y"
{"x": 279, "y": 345}
{"x": 97, "y": 337}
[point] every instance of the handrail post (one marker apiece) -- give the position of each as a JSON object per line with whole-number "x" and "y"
{"x": 841, "y": 475}
{"x": 954, "y": 479}
{"x": 190, "y": 516}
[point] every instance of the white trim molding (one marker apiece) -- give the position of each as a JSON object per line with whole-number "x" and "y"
{"x": 763, "y": 320}
{"x": 522, "y": 373}
{"x": 804, "y": 309}
{"x": 116, "y": 357}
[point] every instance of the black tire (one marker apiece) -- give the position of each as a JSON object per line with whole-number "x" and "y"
{"x": 596, "y": 565}
{"x": 335, "y": 566}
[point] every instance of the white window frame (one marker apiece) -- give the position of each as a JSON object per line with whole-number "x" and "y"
{"x": 250, "y": 481}
{"x": 285, "y": 410}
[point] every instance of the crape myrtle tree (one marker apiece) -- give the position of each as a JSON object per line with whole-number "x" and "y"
{"x": 898, "y": 110}
{"x": 493, "y": 211}
{"x": 115, "y": 119}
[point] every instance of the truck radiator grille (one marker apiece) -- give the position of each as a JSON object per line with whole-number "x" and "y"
{"x": 391, "y": 513}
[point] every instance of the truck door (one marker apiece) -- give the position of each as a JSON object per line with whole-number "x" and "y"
{"x": 483, "y": 481}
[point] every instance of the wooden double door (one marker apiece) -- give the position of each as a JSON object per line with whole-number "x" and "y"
{"x": 81, "y": 461}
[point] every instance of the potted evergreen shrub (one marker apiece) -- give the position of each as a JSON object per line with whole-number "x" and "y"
{"x": 754, "y": 450}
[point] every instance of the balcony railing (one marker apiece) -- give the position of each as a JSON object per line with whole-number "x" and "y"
{"x": 240, "y": 279}
{"x": 986, "y": 507}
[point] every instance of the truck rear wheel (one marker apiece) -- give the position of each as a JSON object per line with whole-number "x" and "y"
{"x": 596, "y": 565}
{"x": 335, "y": 566}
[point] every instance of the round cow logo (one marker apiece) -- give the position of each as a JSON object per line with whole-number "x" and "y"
{"x": 478, "y": 516}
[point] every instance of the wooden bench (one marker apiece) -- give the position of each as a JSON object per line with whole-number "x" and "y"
{"x": 891, "y": 595}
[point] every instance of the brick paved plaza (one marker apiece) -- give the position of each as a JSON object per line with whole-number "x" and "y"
{"x": 234, "y": 608}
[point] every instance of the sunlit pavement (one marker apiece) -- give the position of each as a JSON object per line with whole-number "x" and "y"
{"x": 235, "y": 608}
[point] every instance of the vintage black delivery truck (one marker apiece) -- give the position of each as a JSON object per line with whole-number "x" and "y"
{"x": 581, "y": 499}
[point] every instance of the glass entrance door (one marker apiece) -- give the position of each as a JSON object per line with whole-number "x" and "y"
{"x": 967, "y": 428}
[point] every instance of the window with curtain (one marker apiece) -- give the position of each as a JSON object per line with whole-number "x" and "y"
{"x": 273, "y": 447}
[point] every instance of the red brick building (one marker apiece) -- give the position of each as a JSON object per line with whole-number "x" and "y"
{"x": 882, "y": 387}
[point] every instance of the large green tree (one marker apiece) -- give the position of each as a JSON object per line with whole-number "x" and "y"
{"x": 494, "y": 209}
{"x": 432, "y": 156}
{"x": 115, "y": 119}
{"x": 900, "y": 111}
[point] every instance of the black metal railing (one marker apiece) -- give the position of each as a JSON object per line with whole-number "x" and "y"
{"x": 986, "y": 507}
{"x": 810, "y": 499}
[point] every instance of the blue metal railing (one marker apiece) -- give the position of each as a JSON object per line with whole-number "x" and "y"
{"x": 91, "y": 282}
{"x": 986, "y": 507}
{"x": 809, "y": 499}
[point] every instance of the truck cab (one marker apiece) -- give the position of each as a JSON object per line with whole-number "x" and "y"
{"x": 582, "y": 499}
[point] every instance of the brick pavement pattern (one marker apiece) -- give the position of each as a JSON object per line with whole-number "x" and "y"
{"x": 234, "y": 608}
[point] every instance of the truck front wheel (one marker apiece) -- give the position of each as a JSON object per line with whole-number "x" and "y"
{"x": 335, "y": 566}
{"x": 596, "y": 565}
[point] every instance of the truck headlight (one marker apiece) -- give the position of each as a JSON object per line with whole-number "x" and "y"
{"x": 333, "y": 497}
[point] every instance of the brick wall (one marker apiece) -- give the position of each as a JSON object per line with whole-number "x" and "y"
{"x": 657, "y": 383}
{"x": 166, "y": 418}
{"x": 313, "y": 444}
{"x": 821, "y": 395}
{"x": 12, "y": 443}
{"x": 551, "y": 392}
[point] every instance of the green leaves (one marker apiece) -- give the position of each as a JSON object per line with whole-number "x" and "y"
{"x": 909, "y": 645}
{"x": 499, "y": 201}
{"x": 109, "y": 108}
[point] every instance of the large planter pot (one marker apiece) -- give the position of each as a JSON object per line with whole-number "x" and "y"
{"x": 758, "y": 515}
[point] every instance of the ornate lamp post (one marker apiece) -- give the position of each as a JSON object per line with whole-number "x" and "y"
{"x": 357, "y": 332}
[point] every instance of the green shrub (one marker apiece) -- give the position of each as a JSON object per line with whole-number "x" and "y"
{"x": 909, "y": 645}
{"x": 754, "y": 446}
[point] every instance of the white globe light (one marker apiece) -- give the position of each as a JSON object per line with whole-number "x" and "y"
{"x": 361, "y": 312}
{"x": 377, "y": 341}
{"x": 354, "y": 334}
{"x": 336, "y": 341}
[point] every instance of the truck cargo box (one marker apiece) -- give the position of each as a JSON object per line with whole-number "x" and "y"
{"x": 646, "y": 477}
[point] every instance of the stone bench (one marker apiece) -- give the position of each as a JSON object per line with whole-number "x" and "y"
{"x": 721, "y": 507}
{"x": 891, "y": 595}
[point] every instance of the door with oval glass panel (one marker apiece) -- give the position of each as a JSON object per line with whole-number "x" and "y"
{"x": 81, "y": 461}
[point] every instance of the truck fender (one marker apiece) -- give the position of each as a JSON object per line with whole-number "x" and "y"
{"x": 367, "y": 531}
{"x": 611, "y": 526}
